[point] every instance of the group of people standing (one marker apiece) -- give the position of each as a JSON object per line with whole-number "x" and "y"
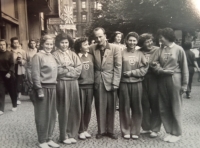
{"x": 14, "y": 63}
{"x": 148, "y": 81}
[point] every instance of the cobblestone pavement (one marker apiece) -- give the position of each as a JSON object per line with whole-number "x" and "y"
{"x": 17, "y": 129}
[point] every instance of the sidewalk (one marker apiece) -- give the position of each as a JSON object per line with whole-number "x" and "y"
{"x": 17, "y": 129}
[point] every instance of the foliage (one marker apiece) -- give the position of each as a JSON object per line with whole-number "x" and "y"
{"x": 145, "y": 16}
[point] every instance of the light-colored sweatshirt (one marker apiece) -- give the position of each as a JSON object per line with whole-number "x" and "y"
{"x": 69, "y": 65}
{"x": 43, "y": 70}
{"x": 136, "y": 63}
{"x": 172, "y": 58}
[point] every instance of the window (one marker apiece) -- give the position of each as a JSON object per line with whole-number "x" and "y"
{"x": 74, "y": 5}
{"x": 84, "y": 18}
{"x": 83, "y": 4}
{"x": 97, "y": 5}
{"x": 75, "y": 18}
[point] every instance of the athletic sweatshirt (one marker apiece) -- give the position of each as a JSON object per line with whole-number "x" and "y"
{"x": 87, "y": 73}
{"x": 149, "y": 54}
{"x": 172, "y": 58}
{"x": 69, "y": 65}
{"x": 43, "y": 70}
{"x": 7, "y": 62}
{"x": 136, "y": 63}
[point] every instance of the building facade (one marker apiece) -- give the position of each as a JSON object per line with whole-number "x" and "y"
{"x": 22, "y": 18}
{"x": 83, "y": 12}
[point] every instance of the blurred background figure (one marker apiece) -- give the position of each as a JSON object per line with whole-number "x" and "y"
{"x": 192, "y": 63}
{"x": 31, "y": 51}
{"x": 7, "y": 78}
{"x": 118, "y": 39}
{"x": 19, "y": 61}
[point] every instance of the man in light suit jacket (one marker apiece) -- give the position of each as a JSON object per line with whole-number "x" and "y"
{"x": 107, "y": 68}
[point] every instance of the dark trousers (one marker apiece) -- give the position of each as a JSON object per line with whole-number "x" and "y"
{"x": 45, "y": 113}
{"x": 191, "y": 74}
{"x": 86, "y": 98}
{"x": 105, "y": 104}
{"x": 170, "y": 103}
{"x": 150, "y": 106}
{"x": 9, "y": 85}
{"x": 130, "y": 97}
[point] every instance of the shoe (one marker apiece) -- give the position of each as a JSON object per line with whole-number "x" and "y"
{"x": 145, "y": 132}
{"x": 188, "y": 96}
{"x": 1, "y": 113}
{"x": 52, "y": 144}
{"x": 135, "y": 136}
{"x": 73, "y": 141}
{"x": 174, "y": 139}
{"x": 117, "y": 108}
{"x": 87, "y": 135}
{"x": 67, "y": 141}
{"x": 82, "y": 136}
{"x": 153, "y": 134}
{"x": 14, "y": 109}
{"x": 127, "y": 136}
{"x": 112, "y": 136}
{"x": 99, "y": 136}
{"x": 19, "y": 102}
{"x": 167, "y": 137}
{"x": 44, "y": 145}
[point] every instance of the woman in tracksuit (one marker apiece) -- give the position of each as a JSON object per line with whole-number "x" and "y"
{"x": 44, "y": 74}
{"x": 134, "y": 67}
{"x": 86, "y": 83}
{"x": 68, "y": 99}
{"x": 151, "y": 121}
{"x": 171, "y": 64}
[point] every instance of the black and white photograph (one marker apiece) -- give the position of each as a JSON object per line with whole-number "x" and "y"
{"x": 99, "y": 73}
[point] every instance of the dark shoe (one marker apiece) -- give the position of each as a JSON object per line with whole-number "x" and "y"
{"x": 112, "y": 136}
{"x": 99, "y": 136}
{"x": 117, "y": 108}
{"x": 188, "y": 96}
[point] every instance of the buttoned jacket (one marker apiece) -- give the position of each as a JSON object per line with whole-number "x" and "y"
{"x": 109, "y": 69}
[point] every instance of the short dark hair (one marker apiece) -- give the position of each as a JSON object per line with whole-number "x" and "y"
{"x": 131, "y": 34}
{"x": 187, "y": 45}
{"x": 78, "y": 42}
{"x": 29, "y": 43}
{"x": 3, "y": 40}
{"x": 167, "y": 33}
{"x": 12, "y": 40}
{"x": 112, "y": 39}
{"x": 99, "y": 28}
{"x": 43, "y": 39}
{"x": 63, "y": 36}
{"x": 143, "y": 37}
